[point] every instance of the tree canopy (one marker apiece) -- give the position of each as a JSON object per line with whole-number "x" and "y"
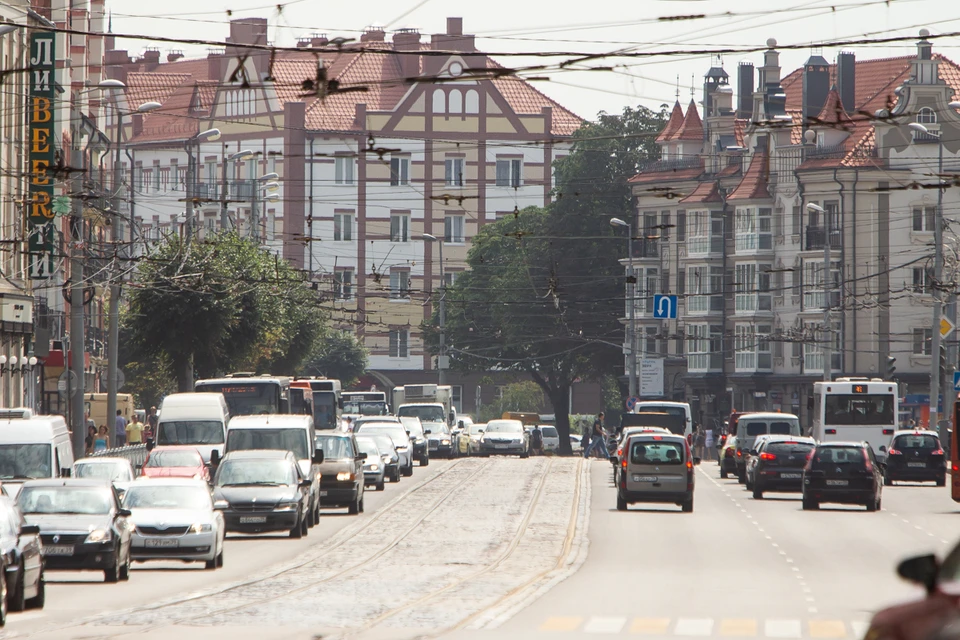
{"x": 339, "y": 355}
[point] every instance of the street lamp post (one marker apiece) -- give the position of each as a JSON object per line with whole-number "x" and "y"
{"x": 827, "y": 349}
{"x": 261, "y": 183}
{"x": 239, "y": 155}
{"x": 210, "y": 135}
{"x": 441, "y": 354}
{"x": 631, "y": 307}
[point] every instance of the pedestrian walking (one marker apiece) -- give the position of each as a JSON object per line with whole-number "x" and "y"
{"x": 121, "y": 429}
{"x": 536, "y": 441}
{"x": 709, "y": 444}
{"x": 90, "y": 439}
{"x": 134, "y": 431}
{"x": 150, "y": 432}
{"x": 698, "y": 441}
{"x": 596, "y": 437}
{"x": 102, "y": 441}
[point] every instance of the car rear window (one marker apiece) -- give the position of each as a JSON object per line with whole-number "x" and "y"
{"x": 788, "y": 448}
{"x": 550, "y": 432}
{"x": 781, "y": 428}
{"x": 651, "y": 452}
{"x": 916, "y": 442}
{"x": 839, "y": 455}
{"x": 756, "y": 428}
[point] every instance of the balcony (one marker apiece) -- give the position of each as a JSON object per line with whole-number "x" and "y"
{"x": 241, "y": 190}
{"x": 659, "y": 166}
{"x": 704, "y": 362}
{"x": 207, "y": 191}
{"x": 815, "y": 237}
{"x": 645, "y": 248}
{"x": 831, "y": 152}
{"x": 704, "y": 304}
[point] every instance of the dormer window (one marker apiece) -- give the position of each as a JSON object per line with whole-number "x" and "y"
{"x": 926, "y": 115}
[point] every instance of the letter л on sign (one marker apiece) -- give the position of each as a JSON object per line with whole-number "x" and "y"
{"x": 664, "y": 307}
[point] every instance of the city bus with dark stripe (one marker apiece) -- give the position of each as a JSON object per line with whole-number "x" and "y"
{"x": 249, "y": 395}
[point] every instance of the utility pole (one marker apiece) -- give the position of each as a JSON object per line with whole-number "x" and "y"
{"x": 631, "y": 308}
{"x": 442, "y": 352}
{"x": 77, "y": 343}
{"x": 937, "y": 301}
{"x": 113, "y": 312}
{"x": 827, "y": 290}
{"x": 189, "y": 191}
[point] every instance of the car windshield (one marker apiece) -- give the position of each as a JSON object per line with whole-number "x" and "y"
{"x": 179, "y": 458}
{"x": 336, "y": 447}
{"x": 148, "y": 496}
{"x": 437, "y": 428}
{"x": 916, "y": 442}
{"x": 504, "y": 426}
{"x": 426, "y": 413}
{"x": 66, "y": 499}
{"x": 788, "y": 448}
{"x": 368, "y": 446}
{"x": 477, "y": 429}
{"x": 190, "y": 432}
{"x": 385, "y": 443}
{"x": 369, "y": 408}
{"x": 252, "y": 471}
{"x": 294, "y": 440}
{"x": 415, "y": 427}
{"x": 21, "y": 461}
{"x": 549, "y": 432}
{"x": 396, "y": 432}
{"x": 112, "y": 471}
{"x": 660, "y": 453}
{"x": 839, "y": 455}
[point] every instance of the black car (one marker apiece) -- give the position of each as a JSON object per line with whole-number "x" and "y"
{"x": 82, "y": 525}
{"x": 261, "y": 490}
{"x": 341, "y": 473}
{"x": 439, "y": 439}
{"x": 20, "y": 548}
{"x": 915, "y": 455}
{"x": 779, "y": 463}
{"x": 842, "y": 472}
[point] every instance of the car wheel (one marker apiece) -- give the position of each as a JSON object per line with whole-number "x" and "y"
{"x": 525, "y": 454}
{"x": 621, "y": 502}
{"x": 112, "y": 574}
{"x": 748, "y": 484}
{"x": 361, "y": 504}
{"x": 757, "y": 492}
{"x": 297, "y": 531}
{"x": 810, "y": 504}
{"x": 123, "y": 573}
{"x": 220, "y": 558}
{"x": 723, "y": 473}
{"x": 742, "y": 477}
{"x": 395, "y": 476}
{"x": 941, "y": 481}
{"x": 687, "y": 506}
{"x": 354, "y": 507}
{"x": 887, "y": 480}
{"x": 15, "y": 599}
{"x": 305, "y": 524}
{"x": 408, "y": 471}
{"x": 380, "y": 486}
{"x": 424, "y": 461}
{"x": 38, "y": 600}
{"x": 872, "y": 504}
{"x": 3, "y": 601}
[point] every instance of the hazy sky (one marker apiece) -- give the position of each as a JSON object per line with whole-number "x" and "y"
{"x": 572, "y": 27}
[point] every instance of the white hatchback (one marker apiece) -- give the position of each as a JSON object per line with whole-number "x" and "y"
{"x": 551, "y": 438}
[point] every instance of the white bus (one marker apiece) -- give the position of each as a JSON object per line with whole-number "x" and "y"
{"x": 856, "y": 409}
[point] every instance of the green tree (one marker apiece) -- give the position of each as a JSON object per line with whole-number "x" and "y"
{"x": 339, "y": 355}
{"x": 545, "y": 290}
{"x": 517, "y": 396}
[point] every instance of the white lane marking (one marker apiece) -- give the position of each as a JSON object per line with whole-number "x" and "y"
{"x": 859, "y": 628}
{"x": 598, "y": 624}
{"x": 782, "y": 628}
{"x": 693, "y": 627}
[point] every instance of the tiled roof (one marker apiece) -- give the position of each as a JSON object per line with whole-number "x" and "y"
{"x": 753, "y": 186}
{"x": 739, "y": 127}
{"x": 524, "y": 98}
{"x": 676, "y": 119}
{"x": 833, "y": 113}
{"x": 670, "y": 175}
{"x": 692, "y": 127}
{"x": 704, "y": 193}
{"x": 730, "y": 170}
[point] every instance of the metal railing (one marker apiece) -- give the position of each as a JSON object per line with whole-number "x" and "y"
{"x": 135, "y": 453}
{"x": 656, "y": 166}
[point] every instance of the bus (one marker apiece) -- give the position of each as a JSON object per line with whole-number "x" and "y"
{"x": 365, "y": 403}
{"x": 248, "y": 394}
{"x": 326, "y": 400}
{"x": 857, "y": 410}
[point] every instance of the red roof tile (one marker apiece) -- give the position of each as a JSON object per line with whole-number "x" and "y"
{"x": 753, "y": 186}
{"x": 739, "y": 128}
{"x": 730, "y": 170}
{"x": 676, "y": 119}
{"x": 692, "y": 127}
{"x": 706, "y": 192}
{"x": 833, "y": 113}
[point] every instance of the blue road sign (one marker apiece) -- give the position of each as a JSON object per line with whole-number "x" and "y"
{"x": 956, "y": 380}
{"x": 632, "y": 402}
{"x": 664, "y": 307}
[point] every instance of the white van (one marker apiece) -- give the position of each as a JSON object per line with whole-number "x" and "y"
{"x": 671, "y": 408}
{"x": 284, "y": 433}
{"x": 196, "y": 419}
{"x": 751, "y": 425}
{"x": 33, "y": 447}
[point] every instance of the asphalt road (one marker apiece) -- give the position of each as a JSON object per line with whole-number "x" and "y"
{"x": 507, "y": 548}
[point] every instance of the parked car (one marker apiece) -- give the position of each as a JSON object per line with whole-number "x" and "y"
{"x": 175, "y": 462}
{"x": 82, "y": 525}
{"x": 551, "y": 438}
{"x": 21, "y": 550}
{"x": 505, "y": 437}
{"x": 421, "y": 451}
{"x": 779, "y": 464}
{"x": 174, "y": 518}
{"x": 374, "y": 468}
{"x": 388, "y": 453}
{"x": 576, "y": 444}
{"x": 261, "y": 490}
{"x": 842, "y": 472}
{"x": 341, "y": 472}
{"x": 119, "y": 471}
{"x": 400, "y": 440}
{"x": 915, "y": 455}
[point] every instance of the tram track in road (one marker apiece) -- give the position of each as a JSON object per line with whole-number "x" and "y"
{"x": 337, "y": 542}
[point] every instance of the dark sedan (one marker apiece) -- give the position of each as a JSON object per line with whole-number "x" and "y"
{"x": 341, "y": 473}
{"x": 842, "y": 472}
{"x": 779, "y": 465}
{"x": 915, "y": 455}
{"x": 20, "y": 547}
{"x": 262, "y": 490}
{"x": 82, "y": 525}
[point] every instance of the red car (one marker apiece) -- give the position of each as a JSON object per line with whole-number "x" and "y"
{"x": 175, "y": 462}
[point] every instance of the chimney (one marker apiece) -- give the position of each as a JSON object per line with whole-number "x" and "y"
{"x": 454, "y": 26}
{"x": 407, "y": 43}
{"x": 373, "y": 34}
{"x": 248, "y": 31}
{"x": 745, "y": 90}
{"x": 173, "y": 56}
{"x": 319, "y": 40}
{"x": 151, "y": 58}
{"x": 722, "y": 100}
{"x": 816, "y": 87}
{"x": 847, "y": 80}
{"x": 303, "y": 43}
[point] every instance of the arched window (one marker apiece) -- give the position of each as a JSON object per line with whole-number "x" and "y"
{"x": 926, "y": 115}
{"x": 456, "y": 101}
{"x": 472, "y": 102}
{"x": 439, "y": 101}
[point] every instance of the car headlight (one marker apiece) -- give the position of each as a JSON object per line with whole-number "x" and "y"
{"x": 221, "y": 504}
{"x": 386, "y": 459}
{"x": 200, "y": 528}
{"x": 287, "y": 506}
{"x": 402, "y": 448}
{"x": 345, "y": 476}
{"x": 374, "y": 467}
{"x": 100, "y": 535}
{"x": 445, "y": 441}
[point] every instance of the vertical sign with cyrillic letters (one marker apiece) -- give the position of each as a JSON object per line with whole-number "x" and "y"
{"x": 40, "y": 216}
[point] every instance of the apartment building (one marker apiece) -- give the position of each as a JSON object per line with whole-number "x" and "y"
{"x": 736, "y": 215}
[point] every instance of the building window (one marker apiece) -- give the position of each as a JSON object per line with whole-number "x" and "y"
{"x": 922, "y": 280}
{"x": 814, "y": 294}
{"x": 453, "y": 172}
{"x": 706, "y": 285}
{"x": 509, "y": 173}
{"x": 754, "y": 230}
{"x": 399, "y": 227}
{"x": 649, "y": 286}
{"x": 450, "y": 278}
{"x": 472, "y": 102}
{"x": 453, "y": 228}
{"x": 399, "y": 171}
{"x": 343, "y": 284}
{"x": 399, "y": 343}
{"x": 399, "y": 284}
{"x": 342, "y": 227}
{"x": 922, "y": 339}
{"x": 665, "y": 225}
{"x": 698, "y": 347}
{"x": 681, "y": 282}
{"x": 681, "y": 226}
{"x": 165, "y": 179}
{"x": 926, "y": 115}
{"x": 745, "y": 276}
{"x": 651, "y": 348}
{"x": 744, "y": 344}
{"x": 343, "y": 169}
{"x": 156, "y": 178}
{"x": 796, "y": 221}
{"x": 455, "y": 102}
{"x": 924, "y": 218}
{"x": 145, "y": 181}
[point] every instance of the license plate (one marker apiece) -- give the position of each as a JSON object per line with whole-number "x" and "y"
{"x": 323, "y": 494}
{"x": 790, "y": 476}
{"x": 58, "y": 549}
{"x": 502, "y": 446}
{"x": 644, "y": 478}
{"x": 161, "y": 542}
{"x": 837, "y": 483}
{"x": 252, "y": 519}
{"x": 916, "y": 464}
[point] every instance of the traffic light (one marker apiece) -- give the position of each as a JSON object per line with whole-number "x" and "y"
{"x": 891, "y": 367}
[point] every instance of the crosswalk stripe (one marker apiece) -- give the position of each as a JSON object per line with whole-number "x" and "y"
{"x": 782, "y": 629}
{"x": 827, "y": 629}
{"x": 598, "y": 624}
{"x": 650, "y": 626}
{"x": 694, "y": 627}
{"x": 561, "y": 624}
{"x": 744, "y": 628}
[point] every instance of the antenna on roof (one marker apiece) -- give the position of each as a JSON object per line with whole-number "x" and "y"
{"x": 678, "y": 87}
{"x": 693, "y": 91}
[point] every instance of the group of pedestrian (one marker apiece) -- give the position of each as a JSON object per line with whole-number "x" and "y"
{"x": 704, "y": 444}
{"x": 593, "y": 439}
{"x": 125, "y": 432}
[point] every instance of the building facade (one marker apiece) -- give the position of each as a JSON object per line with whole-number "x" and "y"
{"x": 796, "y": 193}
